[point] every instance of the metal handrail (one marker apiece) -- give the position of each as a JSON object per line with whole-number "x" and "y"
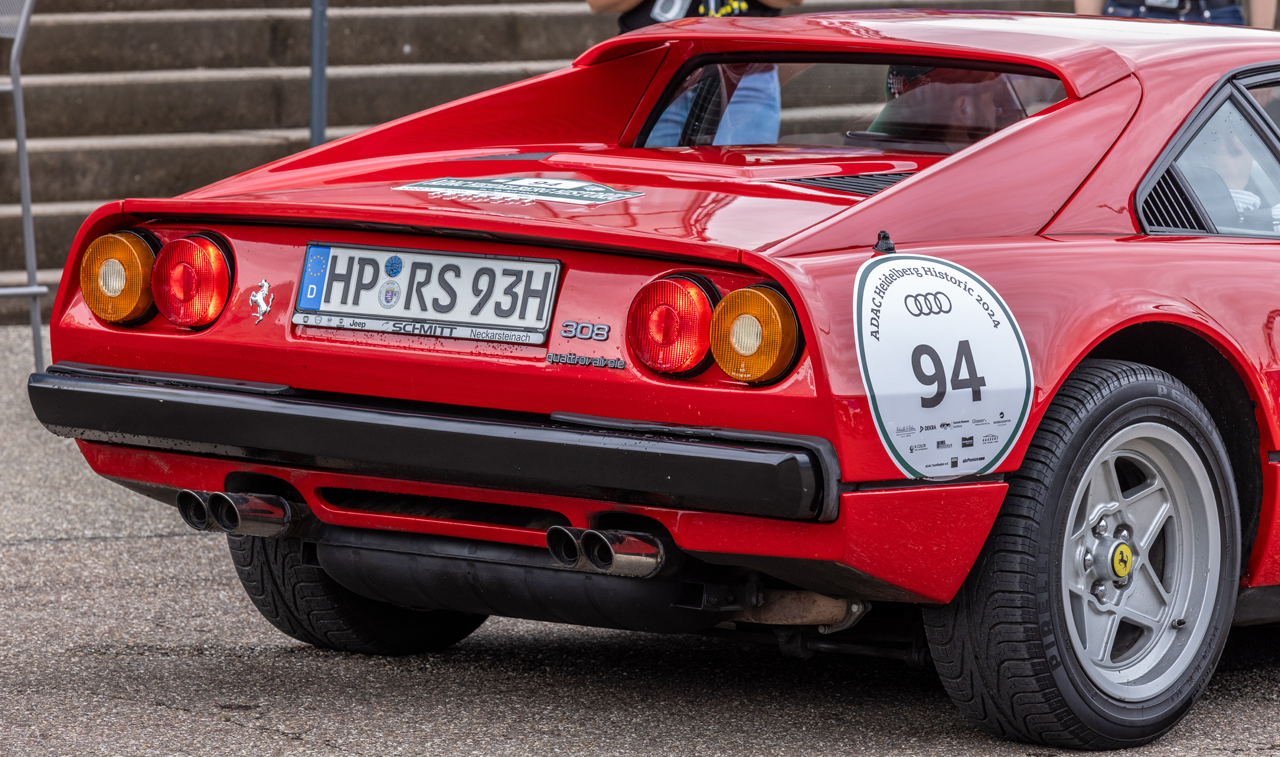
{"x": 319, "y": 61}
{"x": 32, "y": 289}
{"x": 39, "y": 290}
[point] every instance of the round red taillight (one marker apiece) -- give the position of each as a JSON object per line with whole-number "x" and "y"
{"x": 669, "y": 325}
{"x": 191, "y": 281}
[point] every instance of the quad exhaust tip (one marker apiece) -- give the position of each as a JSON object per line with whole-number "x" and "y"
{"x": 566, "y": 546}
{"x": 194, "y": 509}
{"x": 615, "y": 553}
{"x": 263, "y": 515}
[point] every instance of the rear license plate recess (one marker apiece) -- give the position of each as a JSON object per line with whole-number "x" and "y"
{"x": 427, "y": 293}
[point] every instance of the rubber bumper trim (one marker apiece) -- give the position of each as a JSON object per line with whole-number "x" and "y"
{"x": 764, "y": 479}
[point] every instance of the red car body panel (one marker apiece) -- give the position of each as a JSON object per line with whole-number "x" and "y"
{"x": 1058, "y": 242}
{"x": 1024, "y": 202}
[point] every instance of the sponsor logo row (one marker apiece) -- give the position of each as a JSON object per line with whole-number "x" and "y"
{"x": 965, "y": 441}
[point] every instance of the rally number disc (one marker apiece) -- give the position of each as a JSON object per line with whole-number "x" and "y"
{"x": 944, "y": 364}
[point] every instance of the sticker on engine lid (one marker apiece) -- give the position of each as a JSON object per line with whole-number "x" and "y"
{"x": 523, "y": 189}
{"x": 944, "y": 363}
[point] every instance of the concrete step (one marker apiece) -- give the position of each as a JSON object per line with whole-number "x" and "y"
{"x": 244, "y": 38}
{"x": 164, "y": 40}
{"x": 44, "y": 7}
{"x": 203, "y": 100}
{"x": 144, "y": 165}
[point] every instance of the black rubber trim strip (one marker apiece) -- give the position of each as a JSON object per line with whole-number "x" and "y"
{"x": 824, "y": 450}
{"x": 915, "y": 483}
{"x": 167, "y": 379}
{"x": 1273, "y": 457}
{"x": 782, "y": 479}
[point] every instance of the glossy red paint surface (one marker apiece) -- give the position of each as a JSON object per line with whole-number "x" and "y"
{"x": 1041, "y": 211}
{"x": 1019, "y": 202}
{"x": 1079, "y": 291}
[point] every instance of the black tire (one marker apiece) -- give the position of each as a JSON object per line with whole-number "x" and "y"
{"x": 304, "y": 602}
{"x": 1002, "y": 646}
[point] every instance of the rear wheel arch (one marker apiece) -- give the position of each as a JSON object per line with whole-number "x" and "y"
{"x": 1195, "y": 360}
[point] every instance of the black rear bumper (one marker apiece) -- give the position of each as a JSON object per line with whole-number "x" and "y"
{"x": 764, "y": 474}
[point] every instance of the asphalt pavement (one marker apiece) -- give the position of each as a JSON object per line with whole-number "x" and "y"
{"x": 124, "y": 633}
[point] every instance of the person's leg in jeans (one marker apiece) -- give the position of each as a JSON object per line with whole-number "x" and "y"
{"x": 755, "y": 112}
{"x": 1231, "y": 15}
{"x": 666, "y": 133}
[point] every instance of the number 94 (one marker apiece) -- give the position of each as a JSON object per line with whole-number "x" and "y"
{"x": 938, "y": 376}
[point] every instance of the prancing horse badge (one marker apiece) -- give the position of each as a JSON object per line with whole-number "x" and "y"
{"x": 262, "y": 299}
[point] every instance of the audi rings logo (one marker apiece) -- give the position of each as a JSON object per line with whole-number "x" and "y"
{"x": 932, "y": 303}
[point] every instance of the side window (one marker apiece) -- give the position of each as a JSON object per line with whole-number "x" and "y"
{"x": 1268, "y": 97}
{"x": 1233, "y": 174}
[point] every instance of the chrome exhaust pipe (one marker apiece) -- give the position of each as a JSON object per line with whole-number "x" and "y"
{"x": 263, "y": 515}
{"x": 624, "y": 553}
{"x": 566, "y": 548}
{"x": 193, "y": 506}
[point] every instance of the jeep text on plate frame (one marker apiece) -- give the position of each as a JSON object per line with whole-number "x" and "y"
{"x": 426, "y": 293}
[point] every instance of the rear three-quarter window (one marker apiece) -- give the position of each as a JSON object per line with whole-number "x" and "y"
{"x": 1234, "y": 174}
{"x": 1224, "y": 177}
{"x": 887, "y": 106}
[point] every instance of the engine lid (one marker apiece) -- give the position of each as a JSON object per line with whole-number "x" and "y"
{"x": 727, "y": 198}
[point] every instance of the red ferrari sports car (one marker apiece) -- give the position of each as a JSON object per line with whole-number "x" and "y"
{"x": 933, "y": 335}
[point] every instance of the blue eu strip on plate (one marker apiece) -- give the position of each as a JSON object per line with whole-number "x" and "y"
{"x": 313, "y": 276}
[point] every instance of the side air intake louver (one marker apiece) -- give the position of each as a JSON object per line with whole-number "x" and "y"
{"x": 866, "y": 184}
{"x": 1169, "y": 208}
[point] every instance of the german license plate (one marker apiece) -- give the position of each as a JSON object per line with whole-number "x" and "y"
{"x": 490, "y": 298}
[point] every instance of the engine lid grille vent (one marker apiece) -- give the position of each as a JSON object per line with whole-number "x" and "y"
{"x": 864, "y": 184}
{"x": 1168, "y": 207}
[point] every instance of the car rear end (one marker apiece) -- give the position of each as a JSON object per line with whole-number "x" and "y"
{"x": 429, "y": 366}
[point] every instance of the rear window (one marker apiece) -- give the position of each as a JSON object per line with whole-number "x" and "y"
{"x": 888, "y": 106}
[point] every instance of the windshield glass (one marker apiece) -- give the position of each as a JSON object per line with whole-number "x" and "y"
{"x": 885, "y": 106}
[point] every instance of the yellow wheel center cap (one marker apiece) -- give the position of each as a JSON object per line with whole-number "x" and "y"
{"x": 1121, "y": 560}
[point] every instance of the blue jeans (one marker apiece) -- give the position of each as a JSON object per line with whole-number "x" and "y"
{"x": 1231, "y": 15}
{"x": 755, "y": 112}
{"x": 752, "y": 118}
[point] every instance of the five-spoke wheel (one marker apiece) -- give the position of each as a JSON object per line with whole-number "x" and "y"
{"x": 1140, "y": 562}
{"x": 1099, "y": 606}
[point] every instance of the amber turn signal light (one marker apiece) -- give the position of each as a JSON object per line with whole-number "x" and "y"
{"x": 754, "y": 335}
{"x": 191, "y": 281}
{"x": 115, "y": 277}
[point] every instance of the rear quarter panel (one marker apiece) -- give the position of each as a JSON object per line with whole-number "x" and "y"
{"x": 1068, "y": 294}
